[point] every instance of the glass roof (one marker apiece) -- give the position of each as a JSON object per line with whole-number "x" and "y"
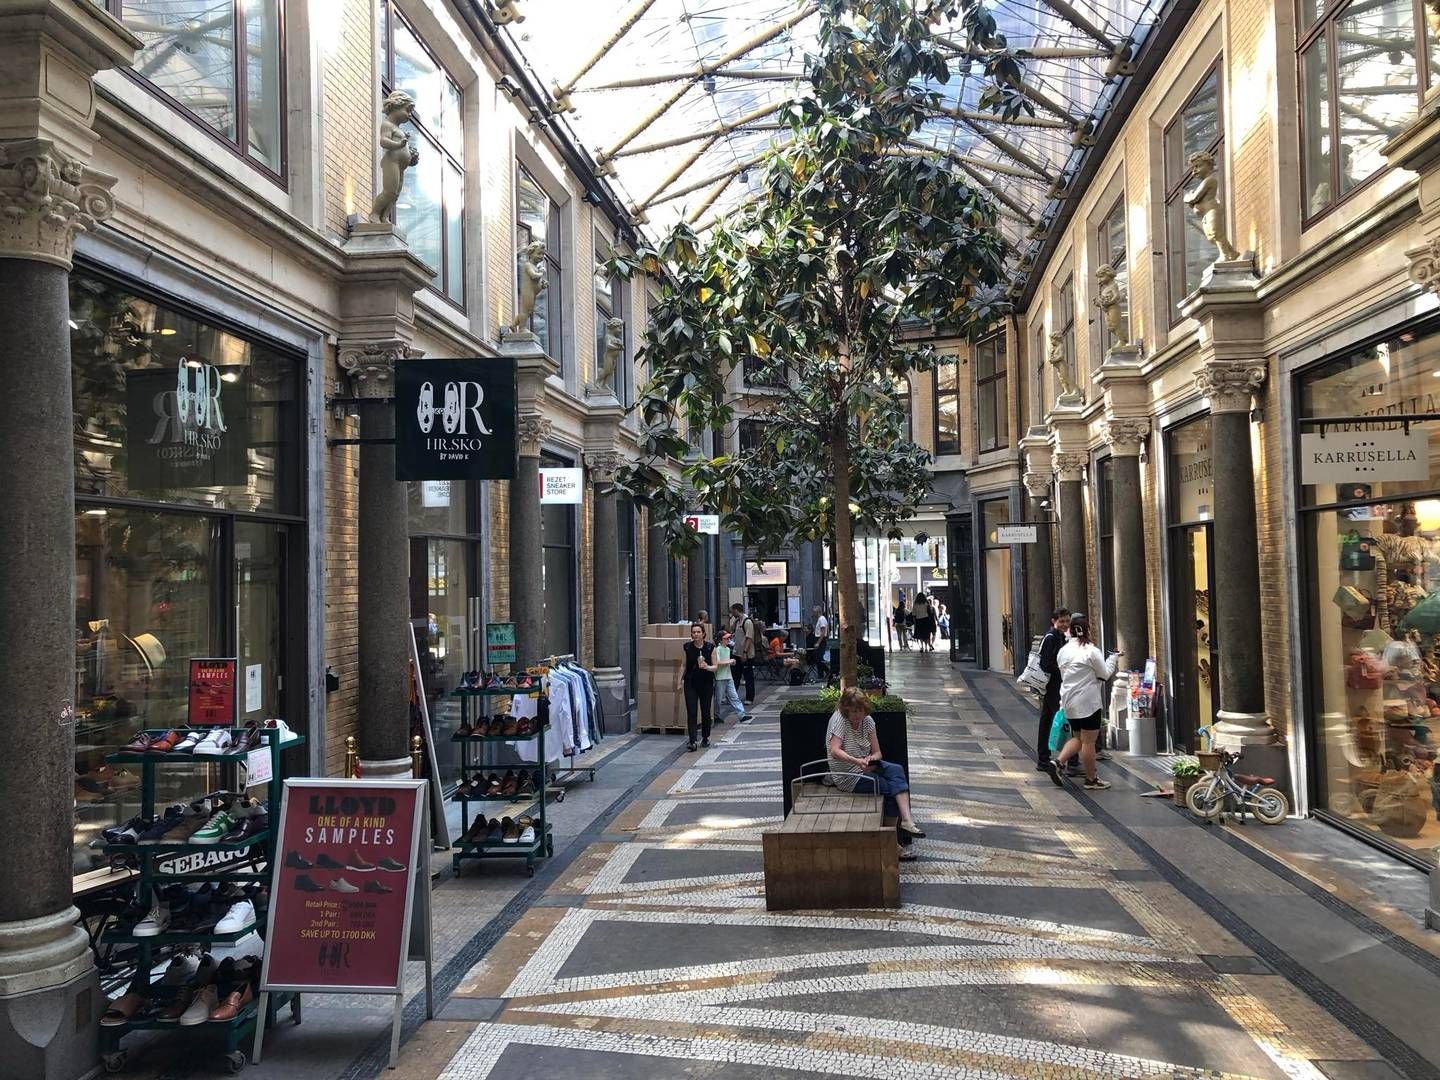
{"x": 683, "y": 95}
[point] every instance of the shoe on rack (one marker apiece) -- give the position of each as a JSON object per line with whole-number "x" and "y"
{"x": 1096, "y": 785}
{"x": 130, "y": 829}
{"x": 165, "y": 743}
{"x": 187, "y": 745}
{"x": 464, "y": 731}
{"x": 275, "y": 728}
{"x": 171, "y": 820}
{"x": 213, "y": 830}
{"x": 247, "y": 827}
{"x": 493, "y": 785}
{"x": 473, "y": 835}
{"x": 391, "y": 865}
{"x": 304, "y": 884}
{"x": 511, "y": 784}
{"x": 324, "y": 861}
{"x": 183, "y": 967}
{"x": 509, "y": 832}
{"x": 527, "y": 783}
{"x": 124, "y": 1008}
{"x": 525, "y": 727}
{"x": 295, "y": 861}
{"x": 340, "y": 885}
{"x": 139, "y": 744}
{"x": 377, "y": 889}
{"x": 527, "y": 831}
{"x": 155, "y": 923}
{"x": 492, "y": 833}
{"x": 218, "y": 741}
{"x": 240, "y": 917}
{"x": 247, "y": 740}
{"x": 205, "y": 1001}
{"x": 182, "y": 1001}
{"x": 359, "y": 863}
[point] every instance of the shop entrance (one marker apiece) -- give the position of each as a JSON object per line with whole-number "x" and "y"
{"x": 1196, "y": 675}
{"x": 996, "y": 568}
{"x": 768, "y": 602}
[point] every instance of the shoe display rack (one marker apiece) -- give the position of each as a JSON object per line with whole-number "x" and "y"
{"x": 482, "y": 836}
{"x": 250, "y": 860}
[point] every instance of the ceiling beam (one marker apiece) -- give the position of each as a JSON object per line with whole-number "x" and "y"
{"x": 709, "y": 200}
{"x": 1015, "y": 153}
{"x": 734, "y": 170}
{"x": 1000, "y": 118}
{"x": 720, "y": 129}
{"x": 965, "y": 163}
{"x": 980, "y": 163}
{"x": 1049, "y": 104}
{"x": 561, "y": 91}
{"x": 688, "y": 76}
{"x": 1084, "y": 25}
{"x": 1037, "y": 52}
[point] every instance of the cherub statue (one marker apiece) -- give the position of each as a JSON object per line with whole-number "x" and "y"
{"x": 610, "y": 355}
{"x": 532, "y": 284}
{"x": 1110, "y": 298}
{"x": 1064, "y": 388}
{"x": 397, "y": 154}
{"x": 1204, "y": 200}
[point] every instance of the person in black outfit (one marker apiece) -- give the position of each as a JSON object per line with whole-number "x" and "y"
{"x": 1050, "y": 646}
{"x": 698, "y": 680}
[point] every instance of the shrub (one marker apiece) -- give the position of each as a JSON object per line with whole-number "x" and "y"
{"x": 1183, "y": 767}
{"x": 822, "y": 704}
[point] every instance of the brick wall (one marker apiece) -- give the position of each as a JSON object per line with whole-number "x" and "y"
{"x": 341, "y": 612}
{"x": 350, "y": 97}
{"x": 497, "y": 551}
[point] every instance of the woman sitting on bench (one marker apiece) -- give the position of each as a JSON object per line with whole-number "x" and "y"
{"x": 854, "y": 751}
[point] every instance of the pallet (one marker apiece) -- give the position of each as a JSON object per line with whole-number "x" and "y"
{"x": 660, "y": 730}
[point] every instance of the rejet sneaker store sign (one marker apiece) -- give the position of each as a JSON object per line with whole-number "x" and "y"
{"x": 186, "y": 426}
{"x": 455, "y": 420}
{"x": 1340, "y": 457}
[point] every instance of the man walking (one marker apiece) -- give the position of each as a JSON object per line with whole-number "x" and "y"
{"x": 1050, "y": 646}
{"x": 745, "y": 642}
{"x": 821, "y": 657}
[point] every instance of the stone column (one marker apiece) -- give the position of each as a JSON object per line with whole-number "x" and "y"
{"x": 1039, "y": 483}
{"x": 721, "y": 611}
{"x": 695, "y": 584}
{"x": 609, "y": 677}
{"x": 657, "y": 573}
{"x": 1070, "y": 472}
{"x": 49, "y": 52}
{"x": 527, "y": 590}
{"x": 1235, "y": 607}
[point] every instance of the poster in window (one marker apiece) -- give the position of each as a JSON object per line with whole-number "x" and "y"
{"x": 212, "y": 691}
{"x": 455, "y": 419}
{"x": 186, "y": 426}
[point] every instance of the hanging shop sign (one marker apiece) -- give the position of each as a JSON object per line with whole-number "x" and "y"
{"x": 1343, "y": 457}
{"x": 1015, "y": 534}
{"x": 212, "y": 691}
{"x": 344, "y": 894}
{"x": 455, "y": 419}
{"x": 186, "y": 426}
{"x": 500, "y": 643}
{"x": 562, "y": 486}
{"x": 704, "y": 524}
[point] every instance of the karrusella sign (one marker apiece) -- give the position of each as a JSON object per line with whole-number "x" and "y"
{"x": 455, "y": 419}
{"x": 1342, "y": 457}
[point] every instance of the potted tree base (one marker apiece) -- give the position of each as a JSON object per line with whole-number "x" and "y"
{"x": 1186, "y": 773}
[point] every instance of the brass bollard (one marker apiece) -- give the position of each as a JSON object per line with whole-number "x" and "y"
{"x": 417, "y": 768}
{"x": 352, "y": 758}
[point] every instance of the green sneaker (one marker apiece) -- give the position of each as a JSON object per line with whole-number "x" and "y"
{"x": 219, "y": 824}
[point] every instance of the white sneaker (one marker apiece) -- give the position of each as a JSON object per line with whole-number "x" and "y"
{"x": 340, "y": 885}
{"x": 527, "y": 835}
{"x": 217, "y": 742}
{"x": 187, "y": 745}
{"x": 241, "y": 916}
{"x": 207, "y": 1000}
{"x": 277, "y": 727}
{"x": 156, "y": 923}
{"x": 182, "y": 969}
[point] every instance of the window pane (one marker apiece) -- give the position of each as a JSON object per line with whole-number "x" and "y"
{"x": 1190, "y": 251}
{"x": 1315, "y": 91}
{"x": 262, "y": 81}
{"x": 1002, "y": 414}
{"x": 947, "y": 425}
{"x": 437, "y": 506}
{"x": 188, "y": 51}
{"x": 418, "y": 212}
{"x": 450, "y": 127}
{"x": 984, "y": 359}
{"x": 1310, "y": 12}
{"x": 987, "y": 416}
{"x": 419, "y": 76}
{"x": 532, "y": 207}
{"x": 454, "y": 234}
{"x": 1375, "y": 81}
{"x": 1200, "y": 121}
{"x": 1114, "y": 235}
{"x": 553, "y": 298}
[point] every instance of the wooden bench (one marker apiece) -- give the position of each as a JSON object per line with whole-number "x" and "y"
{"x": 833, "y": 851}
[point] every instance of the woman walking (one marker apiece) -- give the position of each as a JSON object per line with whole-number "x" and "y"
{"x": 853, "y": 747}
{"x": 1084, "y": 671}
{"x": 698, "y": 681}
{"x": 924, "y": 622}
{"x": 902, "y": 626}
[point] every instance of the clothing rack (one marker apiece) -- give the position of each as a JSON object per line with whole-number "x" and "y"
{"x": 585, "y": 771}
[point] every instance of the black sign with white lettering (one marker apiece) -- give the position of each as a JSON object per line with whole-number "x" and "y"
{"x": 455, "y": 419}
{"x": 186, "y": 426}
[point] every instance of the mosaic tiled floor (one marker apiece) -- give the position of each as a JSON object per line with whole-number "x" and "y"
{"x": 1031, "y": 942}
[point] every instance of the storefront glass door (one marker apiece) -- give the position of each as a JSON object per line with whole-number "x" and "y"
{"x": 964, "y": 643}
{"x": 260, "y": 611}
{"x": 1195, "y": 678}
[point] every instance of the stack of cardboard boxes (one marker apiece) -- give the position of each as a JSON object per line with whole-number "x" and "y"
{"x": 658, "y": 702}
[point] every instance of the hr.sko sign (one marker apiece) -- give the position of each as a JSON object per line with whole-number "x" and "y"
{"x": 1341, "y": 457}
{"x": 455, "y": 420}
{"x": 186, "y": 426}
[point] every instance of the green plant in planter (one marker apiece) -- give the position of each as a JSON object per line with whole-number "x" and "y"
{"x": 1186, "y": 768}
{"x": 827, "y": 704}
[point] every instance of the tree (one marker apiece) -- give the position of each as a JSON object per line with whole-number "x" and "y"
{"x": 860, "y": 246}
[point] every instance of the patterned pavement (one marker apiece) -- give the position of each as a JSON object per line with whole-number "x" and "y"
{"x": 1032, "y": 941}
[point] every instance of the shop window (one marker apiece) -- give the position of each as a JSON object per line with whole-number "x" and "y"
{"x": 431, "y": 210}
{"x": 1105, "y": 556}
{"x": 1362, "y": 78}
{"x": 1195, "y": 682}
{"x": 1110, "y": 246}
{"x": 947, "y": 406}
{"x": 992, "y": 408}
{"x": 538, "y": 221}
{"x": 558, "y": 524}
{"x": 996, "y": 570}
{"x": 1064, "y": 325}
{"x": 1372, "y": 585}
{"x": 609, "y": 303}
{"x": 219, "y": 62}
{"x": 1198, "y": 127}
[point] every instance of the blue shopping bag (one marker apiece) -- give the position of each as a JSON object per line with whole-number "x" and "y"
{"x": 1059, "y": 731}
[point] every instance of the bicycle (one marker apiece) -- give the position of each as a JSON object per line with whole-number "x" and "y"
{"x": 1225, "y": 787}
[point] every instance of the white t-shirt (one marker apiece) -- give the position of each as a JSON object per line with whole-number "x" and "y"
{"x": 822, "y": 629}
{"x": 1083, "y": 674}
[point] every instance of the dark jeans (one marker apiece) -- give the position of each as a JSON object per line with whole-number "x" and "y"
{"x": 746, "y": 670}
{"x": 702, "y": 697}
{"x": 889, "y": 780}
{"x": 1048, "y": 705}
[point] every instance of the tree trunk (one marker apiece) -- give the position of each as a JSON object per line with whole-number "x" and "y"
{"x": 846, "y": 587}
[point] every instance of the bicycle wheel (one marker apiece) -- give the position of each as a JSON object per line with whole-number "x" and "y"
{"x": 1206, "y": 799}
{"x": 1270, "y": 805}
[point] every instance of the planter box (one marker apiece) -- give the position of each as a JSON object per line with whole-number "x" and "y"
{"x": 1182, "y": 785}
{"x": 802, "y": 738}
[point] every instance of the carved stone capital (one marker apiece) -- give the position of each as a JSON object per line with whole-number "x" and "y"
{"x": 371, "y": 365}
{"x": 603, "y": 465}
{"x": 1037, "y": 484}
{"x": 1126, "y": 434}
{"x": 1425, "y": 265}
{"x": 1069, "y": 466}
{"x": 531, "y": 429}
{"x": 47, "y": 198}
{"x": 1230, "y": 384}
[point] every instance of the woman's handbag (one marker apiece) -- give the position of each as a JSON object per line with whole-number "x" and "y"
{"x": 1059, "y": 731}
{"x": 1033, "y": 678}
{"x": 1356, "y": 552}
{"x": 1353, "y": 603}
{"x": 1363, "y": 672}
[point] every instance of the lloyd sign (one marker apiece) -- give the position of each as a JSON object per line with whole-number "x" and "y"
{"x": 1346, "y": 456}
{"x": 186, "y": 426}
{"x": 455, "y": 420}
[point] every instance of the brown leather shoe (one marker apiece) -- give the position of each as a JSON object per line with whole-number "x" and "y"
{"x": 482, "y": 727}
{"x": 139, "y": 744}
{"x": 527, "y": 783}
{"x": 494, "y": 784}
{"x": 233, "y": 1003}
{"x": 509, "y": 831}
{"x": 165, "y": 743}
{"x": 476, "y": 833}
{"x": 511, "y": 726}
{"x": 511, "y": 783}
